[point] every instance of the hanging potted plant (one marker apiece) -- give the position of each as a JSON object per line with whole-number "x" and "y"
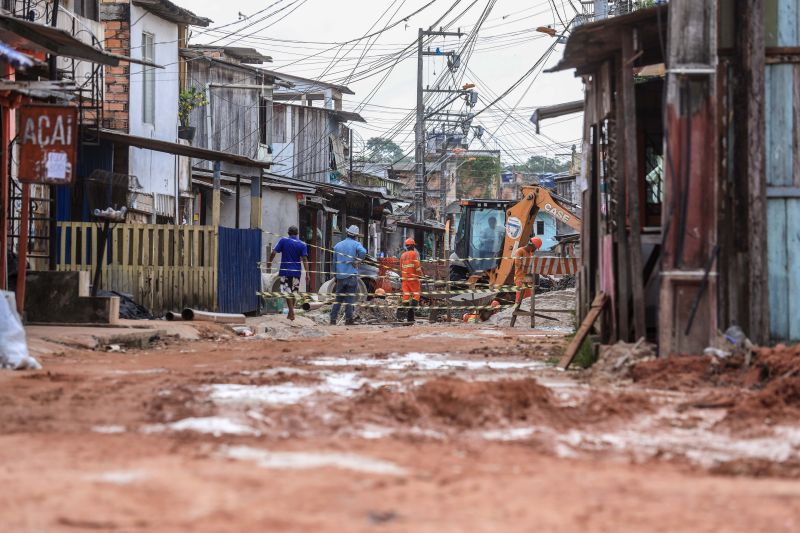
{"x": 189, "y": 99}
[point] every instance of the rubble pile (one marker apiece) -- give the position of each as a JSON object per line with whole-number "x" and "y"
{"x": 614, "y": 362}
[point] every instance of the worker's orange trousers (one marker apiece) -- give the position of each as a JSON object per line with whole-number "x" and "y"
{"x": 523, "y": 293}
{"x": 412, "y": 289}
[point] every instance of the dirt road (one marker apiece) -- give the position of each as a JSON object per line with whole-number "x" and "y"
{"x": 425, "y": 428}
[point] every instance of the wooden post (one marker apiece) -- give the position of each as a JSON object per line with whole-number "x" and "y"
{"x": 6, "y": 113}
{"x": 447, "y": 281}
{"x": 238, "y": 200}
{"x": 748, "y": 230}
{"x": 689, "y": 214}
{"x": 216, "y": 198}
{"x": 623, "y": 288}
{"x": 255, "y": 201}
{"x": 22, "y": 257}
{"x": 533, "y": 303}
{"x": 631, "y": 165}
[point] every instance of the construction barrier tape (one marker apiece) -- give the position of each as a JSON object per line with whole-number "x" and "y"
{"x": 309, "y": 295}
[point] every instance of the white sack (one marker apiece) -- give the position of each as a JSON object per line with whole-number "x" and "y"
{"x": 13, "y": 348}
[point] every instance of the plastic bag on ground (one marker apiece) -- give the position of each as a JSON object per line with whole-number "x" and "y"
{"x": 13, "y": 348}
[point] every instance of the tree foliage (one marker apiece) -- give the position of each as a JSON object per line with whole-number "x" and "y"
{"x": 382, "y": 150}
{"x": 479, "y": 178}
{"x": 538, "y": 164}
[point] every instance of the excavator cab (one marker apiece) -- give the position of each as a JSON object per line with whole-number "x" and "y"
{"x": 481, "y": 233}
{"x": 490, "y": 230}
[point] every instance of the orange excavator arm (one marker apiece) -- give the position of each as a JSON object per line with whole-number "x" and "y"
{"x": 519, "y": 226}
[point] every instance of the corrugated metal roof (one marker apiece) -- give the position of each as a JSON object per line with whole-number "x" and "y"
{"x": 173, "y": 13}
{"x": 195, "y": 152}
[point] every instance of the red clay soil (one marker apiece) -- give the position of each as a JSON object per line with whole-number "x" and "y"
{"x": 767, "y": 392}
{"x": 777, "y": 392}
{"x": 476, "y": 404}
{"x": 688, "y": 372}
{"x": 456, "y": 402}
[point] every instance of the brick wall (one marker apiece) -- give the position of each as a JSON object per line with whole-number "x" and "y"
{"x": 116, "y": 21}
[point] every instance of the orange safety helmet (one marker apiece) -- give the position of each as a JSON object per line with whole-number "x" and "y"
{"x": 537, "y": 242}
{"x": 410, "y": 242}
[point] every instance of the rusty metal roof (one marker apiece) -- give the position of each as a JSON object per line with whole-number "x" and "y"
{"x": 557, "y": 110}
{"x": 169, "y": 11}
{"x": 593, "y": 43}
{"x": 168, "y": 147}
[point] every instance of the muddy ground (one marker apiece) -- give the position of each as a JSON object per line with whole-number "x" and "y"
{"x": 448, "y": 427}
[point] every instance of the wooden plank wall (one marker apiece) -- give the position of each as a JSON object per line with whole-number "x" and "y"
{"x": 309, "y": 129}
{"x": 782, "y": 104}
{"x": 235, "y": 111}
{"x": 163, "y": 267}
{"x": 783, "y": 199}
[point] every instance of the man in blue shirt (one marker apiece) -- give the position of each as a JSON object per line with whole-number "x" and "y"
{"x": 293, "y": 251}
{"x": 346, "y": 258}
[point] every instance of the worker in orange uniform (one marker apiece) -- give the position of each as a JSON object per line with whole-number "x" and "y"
{"x": 411, "y": 272}
{"x": 522, "y": 264}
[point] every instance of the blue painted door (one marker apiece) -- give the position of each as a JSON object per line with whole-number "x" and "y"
{"x": 783, "y": 180}
{"x": 238, "y": 273}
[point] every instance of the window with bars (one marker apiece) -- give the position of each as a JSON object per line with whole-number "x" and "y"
{"x": 148, "y": 79}
{"x": 540, "y": 227}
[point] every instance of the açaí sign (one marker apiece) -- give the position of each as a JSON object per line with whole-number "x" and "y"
{"x": 47, "y": 144}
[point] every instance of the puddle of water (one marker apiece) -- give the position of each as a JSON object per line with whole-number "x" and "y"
{"x": 509, "y": 434}
{"x": 119, "y": 477}
{"x": 214, "y": 425}
{"x": 445, "y": 335}
{"x": 108, "y": 429}
{"x": 283, "y": 370}
{"x": 309, "y": 460}
{"x": 139, "y": 372}
{"x": 341, "y": 384}
{"x": 372, "y": 431}
{"x": 648, "y": 437}
{"x": 281, "y": 394}
{"x": 428, "y": 361}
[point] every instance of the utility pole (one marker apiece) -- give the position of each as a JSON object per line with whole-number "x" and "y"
{"x": 419, "y": 131}
{"x": 419, "y": 140}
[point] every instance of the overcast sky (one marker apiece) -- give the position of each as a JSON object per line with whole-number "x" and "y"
{"x": 305, "y": 37}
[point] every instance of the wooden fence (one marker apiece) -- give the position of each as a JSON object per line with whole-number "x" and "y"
{"x": 163, "y": 267}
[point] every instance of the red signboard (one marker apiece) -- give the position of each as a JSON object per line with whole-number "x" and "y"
{"x": 47, "y": 139}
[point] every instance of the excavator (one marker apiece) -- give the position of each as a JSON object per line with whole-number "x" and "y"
{"x": 489, "y": 232}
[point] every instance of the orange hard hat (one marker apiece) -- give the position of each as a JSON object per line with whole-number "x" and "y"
{"x": 537, "y": 242}
{"x": 410, "y": 242}
{"x": 380, "y": 292}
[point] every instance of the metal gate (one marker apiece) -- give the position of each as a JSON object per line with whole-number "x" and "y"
{"x": 239, "y": 276}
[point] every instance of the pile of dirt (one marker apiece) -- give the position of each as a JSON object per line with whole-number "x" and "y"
{"x": 455, "y": 402}
{"x": 464, "y": 404}
{"x": 689, "y": 372}
{"x": 775, "y": 378}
